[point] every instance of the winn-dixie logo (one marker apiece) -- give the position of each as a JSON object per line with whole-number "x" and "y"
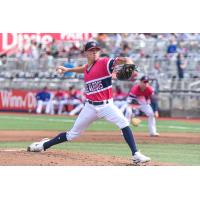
{"x": 94, "y": 86}
{"x": 10, "y": 100}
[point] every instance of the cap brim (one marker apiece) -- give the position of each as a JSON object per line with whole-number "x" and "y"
{"x": 93, "y": 48}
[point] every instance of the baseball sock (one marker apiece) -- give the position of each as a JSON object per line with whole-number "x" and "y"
{"x": 128, "y": 136}
{"x": 58, "y": 139}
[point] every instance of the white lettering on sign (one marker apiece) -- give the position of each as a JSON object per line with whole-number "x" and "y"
{"x": 11, "y": 40}
{"x": 76, "y": 36}
{"x": 12, "y": 101}
{"x": 5, "y": 43}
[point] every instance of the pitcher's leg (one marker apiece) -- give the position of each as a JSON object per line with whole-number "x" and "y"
{"x": 85, "y": 118}
{"x": 128, "y": 136}
{"x": 114, "y": 115}
{"x": 76, "y": 109}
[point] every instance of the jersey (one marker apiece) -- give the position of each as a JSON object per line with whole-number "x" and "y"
{"x": 59, "y": 95}
{"x": 143, "y": 96}
{"x": 43, "y": 96}
{"x": 98, "y": 79}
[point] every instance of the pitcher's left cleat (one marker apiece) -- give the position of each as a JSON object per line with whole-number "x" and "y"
{"x": 37, "y": 146}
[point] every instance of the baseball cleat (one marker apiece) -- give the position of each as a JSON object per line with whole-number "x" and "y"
{"x": 155, "y": 135}
{"x": 37, "y": 146}
{"x": 140, "y": 158}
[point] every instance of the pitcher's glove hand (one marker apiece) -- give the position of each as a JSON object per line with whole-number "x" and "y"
{"x": 124, "y": 71}
{"x": 135, "y": 121}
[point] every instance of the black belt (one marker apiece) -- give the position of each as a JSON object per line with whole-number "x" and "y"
{"x": 97, "y": 103}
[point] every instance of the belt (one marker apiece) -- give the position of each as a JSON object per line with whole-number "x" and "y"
{"x": 97, "y": 103}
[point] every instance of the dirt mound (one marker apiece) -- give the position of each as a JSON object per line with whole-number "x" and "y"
{"x": 19, "y": 157}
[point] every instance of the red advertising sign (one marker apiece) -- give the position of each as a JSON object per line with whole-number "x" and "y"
{"x": 17, "y": 100}
{"x": 10, "y": 42}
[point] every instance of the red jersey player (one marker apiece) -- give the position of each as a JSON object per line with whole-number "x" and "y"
{"x": 142, "y": 93}
{"x": 99, "y": 102}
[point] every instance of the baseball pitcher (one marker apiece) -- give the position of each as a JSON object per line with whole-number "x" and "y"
{"x": 99, "y": 100}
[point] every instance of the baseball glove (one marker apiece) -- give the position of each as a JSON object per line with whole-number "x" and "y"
{"x": 135, "y": 121}
{"x": 124, "y": 72}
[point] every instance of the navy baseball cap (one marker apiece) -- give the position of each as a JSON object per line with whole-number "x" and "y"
{"x": 91, "y": 45}
{"x": 144, "y": 79}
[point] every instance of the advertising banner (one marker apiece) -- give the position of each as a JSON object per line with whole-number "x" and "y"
{"x": 10, "y": 42}
{"x": 17, "y": 100}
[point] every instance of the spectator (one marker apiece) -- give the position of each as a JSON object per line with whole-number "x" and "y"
{"x": 74, "y": 50}
{"x": 43, "y": 100}
{"x": 125, "y": 51}
{"x": 181, "y": 65}
{"x": 3, "y": 59}
{"x": 172, "y": 48}
{"x": 54, "y": 49}
{"x": 69, "y": 65}
{"x": 35, "y": 54}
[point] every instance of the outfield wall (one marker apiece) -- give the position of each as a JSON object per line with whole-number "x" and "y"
{"x": 169, "y": 105}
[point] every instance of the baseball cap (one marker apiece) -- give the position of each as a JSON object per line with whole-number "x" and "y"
{"x": 91, "y": 45}
{"x": 144, "y": 79}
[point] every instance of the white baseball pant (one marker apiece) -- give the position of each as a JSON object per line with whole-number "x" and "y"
{"x": 91, "y": 113}
{"x": 40, "y": 104}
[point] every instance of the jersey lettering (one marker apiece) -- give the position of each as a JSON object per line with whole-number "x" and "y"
{"x": 94, "y": 86}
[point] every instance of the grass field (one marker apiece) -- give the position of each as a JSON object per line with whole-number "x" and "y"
{"x": 181, "y": 154}
{"x": 58, "y": 123}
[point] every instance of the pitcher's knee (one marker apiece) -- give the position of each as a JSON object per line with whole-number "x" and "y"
{"x": 123, "y": 123}
{"x": 72, "y": 134}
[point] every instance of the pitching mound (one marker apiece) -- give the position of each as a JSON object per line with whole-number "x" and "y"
{"x": 19, "y": 157}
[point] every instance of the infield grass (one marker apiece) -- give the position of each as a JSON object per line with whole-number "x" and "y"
{"x": 60, "y": 123}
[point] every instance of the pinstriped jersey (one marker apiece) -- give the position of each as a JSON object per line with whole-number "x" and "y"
{"x": 98, "y": 79}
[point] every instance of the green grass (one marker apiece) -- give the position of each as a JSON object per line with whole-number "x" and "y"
{"x": 170, "y": 153}
{"x": 59, "y": 123}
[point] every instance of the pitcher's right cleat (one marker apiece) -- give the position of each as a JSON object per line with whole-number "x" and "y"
{"x": 37, "y": 146}
{"x": 140, "y": 158}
